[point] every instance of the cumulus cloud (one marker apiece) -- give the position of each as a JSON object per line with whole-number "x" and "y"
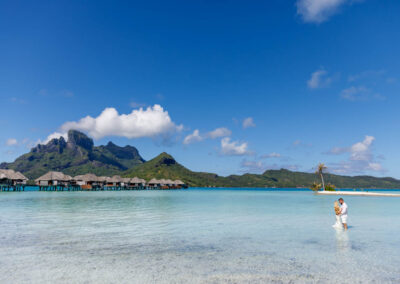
{"x": 360, "y": 160}
{"x": 248, "y": 122}
{"x": 319, "y": 79}
{"x": 234, "y": 148}
{"x": 219, "y": 132}
{"x": 216, "y": 133}
{"x": 318, "y": 11}
{"x": 360, "y": 93}
{"x": 150, "y": 122}
{"x": 192, "y": 138}
{"x": 153, "y": 122}
{"x": 55, "y": 135}
{"x": 11, "y": 142}
{"x": 361, "y": 151}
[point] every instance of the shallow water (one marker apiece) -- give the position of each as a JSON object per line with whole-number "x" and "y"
{"x": 196, "y": 236}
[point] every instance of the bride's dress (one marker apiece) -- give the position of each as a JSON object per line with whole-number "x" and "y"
{"x": 338, "y": 224}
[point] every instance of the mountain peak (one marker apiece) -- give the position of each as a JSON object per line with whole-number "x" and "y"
{"x": 110, "y": 144}
{"x": 165, "y": 159}
{"x": 79, "y": 139}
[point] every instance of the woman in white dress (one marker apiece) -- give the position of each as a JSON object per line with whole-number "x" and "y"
{"x": 338, "y": 224}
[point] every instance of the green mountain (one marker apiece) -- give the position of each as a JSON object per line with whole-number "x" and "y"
{"x": 77, "y": 156}
{"x": 165, "y": 166}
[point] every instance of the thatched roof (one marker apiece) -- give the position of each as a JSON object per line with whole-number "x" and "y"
{"x": 103, "y": 179}
{"x": 87, "y": 178}
{"x": 126, "y": 180}
{"x": 137, "y": 180}
{"x": 56, "y": 176}
{"x": 179, "y": 182}
{"x": 119, "y": 178}
{"x": 114, "y": 179}
{"x": 154, "y": 181}
{"x": 12, "y": 175}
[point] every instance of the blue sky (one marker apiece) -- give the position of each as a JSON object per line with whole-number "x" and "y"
{"x": 224, "y": 86}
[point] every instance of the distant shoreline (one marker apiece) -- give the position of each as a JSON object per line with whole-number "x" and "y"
{"x": 357, "y": 193}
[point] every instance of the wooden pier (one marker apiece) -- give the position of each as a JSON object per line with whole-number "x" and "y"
{"x": 98, "y": 188}
{"x": 17, "y": 187}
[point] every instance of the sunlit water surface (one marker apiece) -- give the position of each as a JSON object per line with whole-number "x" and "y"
{"x": 196, "y": 236}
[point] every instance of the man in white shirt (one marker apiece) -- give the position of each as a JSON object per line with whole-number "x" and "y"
{"x": 343, "y": 212}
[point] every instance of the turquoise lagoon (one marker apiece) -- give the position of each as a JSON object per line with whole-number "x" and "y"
{"x": 196, "y": 236}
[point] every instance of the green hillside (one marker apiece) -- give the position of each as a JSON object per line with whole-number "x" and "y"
{"x": 75, "y": 157}
{"x": 165, "y": 166}
{"x": 80, "y": 156}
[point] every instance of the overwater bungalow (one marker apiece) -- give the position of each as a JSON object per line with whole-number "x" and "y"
{"x": 54, "y": 181}
{"x": 167, "y": 184}
{"x": 88, "y": 181}
{"x": 179, "y": 184}
{"x": 114, "y": 182}
{"x": 12, "y": 180}
{"x": 136, "y": 183}
{"x": 125, "y": 182}
{"x": 103, "y": 180}
{"x": 154, "y": 183}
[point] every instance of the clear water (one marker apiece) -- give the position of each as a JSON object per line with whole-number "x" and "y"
{"x": 196, "y": 236}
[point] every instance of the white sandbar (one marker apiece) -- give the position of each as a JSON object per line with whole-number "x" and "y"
{"x": 357, "y": 193}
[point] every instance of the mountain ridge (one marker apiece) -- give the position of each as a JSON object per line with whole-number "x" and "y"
{"x": 78, "y": 155}
{"x": 165, "y": 166}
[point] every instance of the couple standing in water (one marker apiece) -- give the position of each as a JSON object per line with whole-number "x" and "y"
{"x": 341, "y": 214}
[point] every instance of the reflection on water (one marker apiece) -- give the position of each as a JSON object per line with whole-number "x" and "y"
{"x": 195, "y": 236}
{"x": 342, "y": 240}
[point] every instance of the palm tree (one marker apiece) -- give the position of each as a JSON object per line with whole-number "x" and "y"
{"x": 320, "y": 170}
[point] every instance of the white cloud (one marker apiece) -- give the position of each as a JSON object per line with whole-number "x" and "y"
{"x": 216, "y": 133}
{"x": 234, "y": 148}
{"x": 248, "y": 122}
{"x": 150, "y": 122}
{"x": 11, "y": 142}
{"x": 360, "y": 160}
{"x": 194, "y": 137}
{"x": 360, "y": 93}
{"x": 219, "y": 132}
{"x": 319, "y": 79}
{"x": 361, "y": 150}
{"x": 55, "y": 135}
{"x": 318, "y": 11}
